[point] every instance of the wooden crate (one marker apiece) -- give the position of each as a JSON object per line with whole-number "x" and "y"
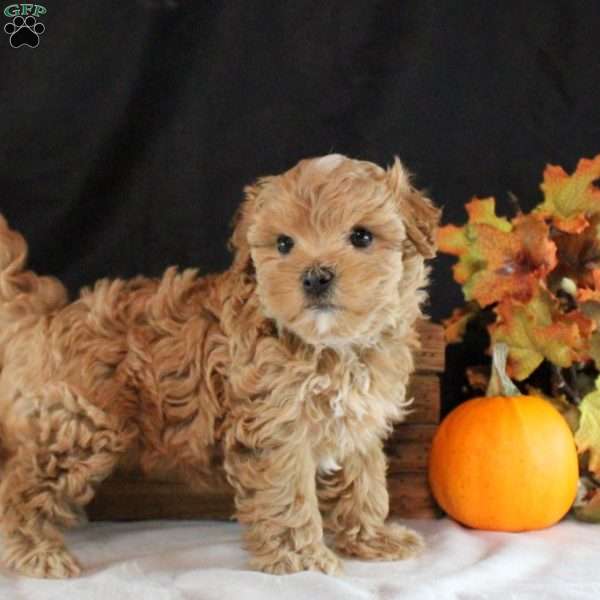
{"x": 408, "y": 446}
{"x": 128, "y": 495}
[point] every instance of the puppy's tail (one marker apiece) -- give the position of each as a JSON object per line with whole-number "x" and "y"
{"x": 22, "y": 293}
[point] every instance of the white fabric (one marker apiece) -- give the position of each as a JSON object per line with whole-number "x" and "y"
{"x": 204, "y": 560}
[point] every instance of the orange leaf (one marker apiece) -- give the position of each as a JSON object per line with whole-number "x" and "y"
{"x": 578, "y": 255}
{"x": 515, "y": 262}
{"x": 456, "y": 324}
{"x": 591, "y": 293}
{"x": 497, "y": 258}
{"x": 538, "y": 330}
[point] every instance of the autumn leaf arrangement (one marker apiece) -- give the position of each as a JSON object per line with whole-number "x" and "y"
{"x": 533, "y": 281}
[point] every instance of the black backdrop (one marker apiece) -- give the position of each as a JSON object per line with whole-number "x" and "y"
{"x": 127, "y": 135}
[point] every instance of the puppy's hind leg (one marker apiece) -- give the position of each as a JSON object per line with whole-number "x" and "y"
{"x": 65, "y": 445}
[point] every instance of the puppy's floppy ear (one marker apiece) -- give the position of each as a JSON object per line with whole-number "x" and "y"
{"x": 420, "y": 216}
{"x": 243, "y": 219}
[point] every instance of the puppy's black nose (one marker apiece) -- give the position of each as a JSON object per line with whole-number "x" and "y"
{"x": 317, "y": 281}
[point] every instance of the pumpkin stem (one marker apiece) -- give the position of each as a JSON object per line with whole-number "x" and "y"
{"x": 500, "y": 383}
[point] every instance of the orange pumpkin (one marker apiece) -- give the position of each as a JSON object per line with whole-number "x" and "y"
{"x": 504, "y": 463}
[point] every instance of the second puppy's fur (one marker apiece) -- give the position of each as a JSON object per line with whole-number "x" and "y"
{"x": 294, "y": 362}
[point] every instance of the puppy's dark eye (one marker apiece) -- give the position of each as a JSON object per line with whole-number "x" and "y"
{"x": 361, "y": 237}
{"x": 285, "y": 244}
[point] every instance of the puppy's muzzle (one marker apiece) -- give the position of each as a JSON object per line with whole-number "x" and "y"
{"x": 317, "y": 281}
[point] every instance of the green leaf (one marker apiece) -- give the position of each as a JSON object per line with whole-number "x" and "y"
{"x": 570, "y": 199}
{"x": 587, "y": 436}
{"x": 483, "y": 212}
{"x": 595, "y": 348}
{"x": 462, "y": 241}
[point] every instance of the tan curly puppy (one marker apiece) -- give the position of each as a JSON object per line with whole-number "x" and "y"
{"x": 293, "y": 364}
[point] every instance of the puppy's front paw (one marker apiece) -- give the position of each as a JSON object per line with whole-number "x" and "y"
{"x": 55, "y": 563}
{"x": 387, "y": 542}
{"x": 315, "y": 557}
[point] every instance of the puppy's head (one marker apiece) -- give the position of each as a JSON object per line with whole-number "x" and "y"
{"x": 328, "y": 242}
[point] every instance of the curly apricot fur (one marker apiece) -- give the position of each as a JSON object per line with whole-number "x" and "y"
{"x": 174, "y": 372}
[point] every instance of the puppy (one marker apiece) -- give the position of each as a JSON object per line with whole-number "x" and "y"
{"x": 292, "y": 364}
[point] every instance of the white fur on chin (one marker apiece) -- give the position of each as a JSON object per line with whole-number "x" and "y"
{"x": 324, "y": 320}
{"x": 328, "y": 464}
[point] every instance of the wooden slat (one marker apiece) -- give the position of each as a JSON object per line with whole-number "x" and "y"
{"x": 410, "y": 496}
{"x": 126, "y": 500}
{"x": 408, "y": 448}
{"x": 409, "y": 457}
{"x": 411, "y": 432}
{"x": 425, "y": 389}
{"x": 431, "y": 356}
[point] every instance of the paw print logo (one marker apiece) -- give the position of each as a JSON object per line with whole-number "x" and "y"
{"x": 24, "y": 31}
